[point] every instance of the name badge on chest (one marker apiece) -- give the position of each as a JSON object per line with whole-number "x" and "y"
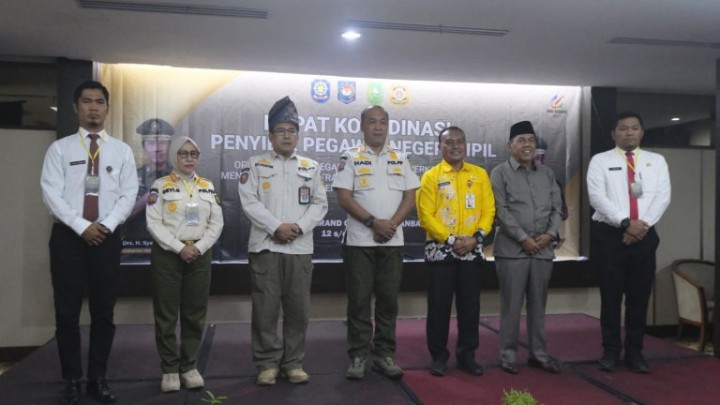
{"x": 636, "y": 189}
{"x": 92, "y": 184}
{"x": 192, "y": 214}
{"x": 304, "y": 195}
{"x": 470, "y": 201}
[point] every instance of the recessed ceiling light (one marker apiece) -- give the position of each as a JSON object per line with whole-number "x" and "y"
{"x": 351, "y": 35}
{"x": 675, "y": 119}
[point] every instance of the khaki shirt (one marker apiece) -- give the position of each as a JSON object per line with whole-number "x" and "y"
{"x": 166, "y": 207}
{"x": 377, "y": 182}
{"x": 275, "y": 190}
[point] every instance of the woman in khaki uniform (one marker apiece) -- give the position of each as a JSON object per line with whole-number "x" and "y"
{"x": 185, "y": 219}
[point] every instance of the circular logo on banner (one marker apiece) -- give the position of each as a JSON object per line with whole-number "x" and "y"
{"x": 399, "y": 95}
{"x": 172, "y": 207}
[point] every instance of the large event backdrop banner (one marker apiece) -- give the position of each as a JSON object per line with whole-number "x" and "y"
{"x": 225, "y": 112}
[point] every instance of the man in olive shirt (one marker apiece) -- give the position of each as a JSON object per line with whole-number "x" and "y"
{"x": 528, "y": 207}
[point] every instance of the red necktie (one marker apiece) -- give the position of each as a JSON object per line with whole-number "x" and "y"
{"x": 631, "y": 180}
{"x": 90, "y": 206}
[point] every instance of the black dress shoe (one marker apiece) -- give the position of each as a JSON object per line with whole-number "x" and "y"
{"x": 71, "y": 393}
{"x": 98, "y": 389}
{"x": 510, "y": 368}
{"x": 607, "y": 364}
{"x": 637, "y": 364}
{"x": 438, "y": 368}
{"x": 549, "y": 366}
{"x": 469, "y": 366}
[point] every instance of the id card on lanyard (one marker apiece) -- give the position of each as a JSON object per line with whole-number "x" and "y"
{"x": 192, "y": 209}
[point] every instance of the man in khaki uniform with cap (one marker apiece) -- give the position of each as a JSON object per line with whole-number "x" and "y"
{"x": 284, "y": 198}
{"x": 376, "y": 185}
{"x": 156, "y": 135}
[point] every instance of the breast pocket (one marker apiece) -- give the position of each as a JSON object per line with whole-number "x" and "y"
{"x": 171, "y": 204}
{"x": 396, "y": 176}
{"x": 649, "y": 180}
{"x": 265, "y": 180}
{"x": 365, "y": 182}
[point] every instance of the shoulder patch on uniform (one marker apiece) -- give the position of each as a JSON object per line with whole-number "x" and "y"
{"x": 244, "y": 176}
{"x": 152, "y": 197}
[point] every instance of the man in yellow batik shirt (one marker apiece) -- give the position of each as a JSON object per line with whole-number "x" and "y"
{"x": 456, "y": 208}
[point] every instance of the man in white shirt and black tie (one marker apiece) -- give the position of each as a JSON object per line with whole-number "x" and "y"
{"x": 629, "y": 189}
{"x": 89, "y": 184}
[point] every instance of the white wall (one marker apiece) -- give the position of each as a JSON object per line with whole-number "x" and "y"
{"x": 687, "y": 230}
{"x": 26, "y": 310}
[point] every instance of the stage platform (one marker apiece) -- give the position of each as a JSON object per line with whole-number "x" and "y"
{"x": 678, "y": 375}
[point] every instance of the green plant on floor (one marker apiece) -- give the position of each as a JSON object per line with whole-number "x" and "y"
{"x": 518, "y": 397}
{"x": 212, "y": 399}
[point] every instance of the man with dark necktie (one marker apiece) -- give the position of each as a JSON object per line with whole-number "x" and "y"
{"x": 89, "y": 184}
{"x": 629, "y": 189}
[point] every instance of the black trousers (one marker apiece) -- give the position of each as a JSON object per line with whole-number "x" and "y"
{"x": 75, "y": 266}
{"x": 624, "y": 271}
{"x": 461, "y": 279}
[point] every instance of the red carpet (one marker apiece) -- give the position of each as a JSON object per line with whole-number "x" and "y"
{"x": 678, "y": 375}
{"x": 458, "y": 388}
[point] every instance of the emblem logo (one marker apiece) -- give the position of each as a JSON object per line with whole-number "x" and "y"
{"x": 364, "y": 182}
{"x": 244, "y": 177}
{"x": 320, "y": 90}
{"x": 399, "y": 95}
{"x": 375, "y": 93}
{"x": 172, "y": 207}
{"x": 266, "y": 185}
{"x": 152, "y": 197}
{"x": 346, "y": 91}
{"x": 557, "y": 105}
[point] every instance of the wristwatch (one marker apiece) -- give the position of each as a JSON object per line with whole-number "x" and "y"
{"x": 451, "y": 240}
{"x": 625, "y": 223}
{"x": 480, "y": 236}
{"x": 369, "y": 221}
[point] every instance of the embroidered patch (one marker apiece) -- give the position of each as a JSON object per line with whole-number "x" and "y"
{"x": 172, "y": 207}
{"x": 244, "y": 177}
{"x": 364, "y": 182}
{"x": 266, "y": 185}
{"x": 152, "y": 197}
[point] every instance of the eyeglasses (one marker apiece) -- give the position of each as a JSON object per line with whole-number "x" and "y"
{"x": 184, "y": 154}
{"x": 285, "y": 131}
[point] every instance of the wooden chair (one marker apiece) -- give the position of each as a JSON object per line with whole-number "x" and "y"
{"x": 694, "y": 286}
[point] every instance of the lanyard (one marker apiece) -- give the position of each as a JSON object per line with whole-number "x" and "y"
{"x": 188, "y": 188}
{"x": 91, "y": 156}
{"x": 635, "y": 160}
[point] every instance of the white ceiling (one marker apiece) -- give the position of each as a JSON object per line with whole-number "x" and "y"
{"x": 559, "y": 42}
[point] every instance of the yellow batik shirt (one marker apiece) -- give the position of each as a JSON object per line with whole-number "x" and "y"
{"x": 458, "y": 203}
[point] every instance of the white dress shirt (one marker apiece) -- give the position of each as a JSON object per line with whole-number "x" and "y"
{"x": 608, "y": 186}
{"x": 63, "y": 180}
